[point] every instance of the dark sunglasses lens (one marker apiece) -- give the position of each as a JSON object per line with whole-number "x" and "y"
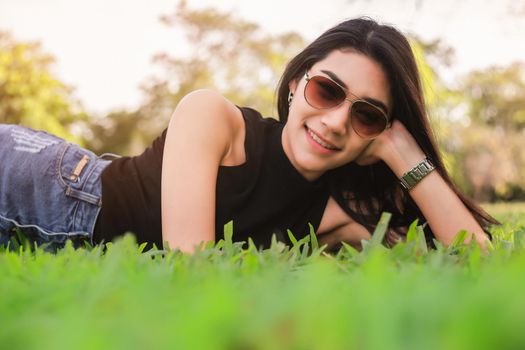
{"x": 321, "y": 92}
{"x": 367, "y": 120}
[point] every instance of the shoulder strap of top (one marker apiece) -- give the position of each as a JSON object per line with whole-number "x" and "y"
{"x": 256, "y": 132}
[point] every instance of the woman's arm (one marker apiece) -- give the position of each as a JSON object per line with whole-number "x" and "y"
{"x": 351, "y": 233}
{"x": 337, "y": 226}
{"x": 199, "y": 136}
{"x": 444, "y": 211}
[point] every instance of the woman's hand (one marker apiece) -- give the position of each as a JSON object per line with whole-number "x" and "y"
{"x": 444, "y": 211}
{"x": 396, "y": 147}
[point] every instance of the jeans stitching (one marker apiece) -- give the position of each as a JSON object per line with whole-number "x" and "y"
{"x": 44, "y": 230}
{"x": 58, "y": 165}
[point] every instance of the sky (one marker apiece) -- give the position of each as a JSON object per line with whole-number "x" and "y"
{"x": 103, "y": 48}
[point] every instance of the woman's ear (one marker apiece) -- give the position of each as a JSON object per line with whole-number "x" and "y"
{"x": 292, "y": 86}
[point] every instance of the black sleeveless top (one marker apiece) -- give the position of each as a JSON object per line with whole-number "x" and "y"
{"x": 262, "y": 196}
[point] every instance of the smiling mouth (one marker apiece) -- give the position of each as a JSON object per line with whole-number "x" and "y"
{"x": 320, "y": 141}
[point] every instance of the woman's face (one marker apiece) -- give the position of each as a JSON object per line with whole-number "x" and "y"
{"x": 363, "y": 78}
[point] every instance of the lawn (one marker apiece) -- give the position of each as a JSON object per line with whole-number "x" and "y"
{"x": 281, "y": 298}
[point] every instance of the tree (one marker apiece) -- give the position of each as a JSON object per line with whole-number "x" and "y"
{"x": 479, "y": 125}
{"x": 223, "y": 52}
{"x": 229, "y": 54}
{"x": 497, "y": 96}
{"x": 29, "y": 93}
{"x": 489, "y": 149}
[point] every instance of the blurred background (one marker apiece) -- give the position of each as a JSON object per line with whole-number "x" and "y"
{"x": 108, "y": 74}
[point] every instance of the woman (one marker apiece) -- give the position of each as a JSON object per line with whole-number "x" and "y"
{"x": 353, "y": 141}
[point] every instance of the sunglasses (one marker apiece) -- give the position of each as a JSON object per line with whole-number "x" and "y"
{"x": 367, "y": 119}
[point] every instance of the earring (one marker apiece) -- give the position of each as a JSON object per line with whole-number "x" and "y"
{"x": 290, "y": 98}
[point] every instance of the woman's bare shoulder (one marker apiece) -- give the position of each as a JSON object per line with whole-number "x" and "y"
{"x": 210, "y": 106}
{"x": 208, "y": 116}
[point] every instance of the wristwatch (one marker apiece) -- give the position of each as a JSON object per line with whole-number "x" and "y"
{"x": 416, "y": 174}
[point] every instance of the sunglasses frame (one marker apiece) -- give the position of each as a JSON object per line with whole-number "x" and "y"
{"x": 352, "y": 101}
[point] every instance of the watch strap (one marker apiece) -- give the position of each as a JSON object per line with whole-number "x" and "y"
{"x": 412, "y": 177}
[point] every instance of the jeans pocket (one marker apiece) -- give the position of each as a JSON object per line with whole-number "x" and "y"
{"x": 75, "y": 166}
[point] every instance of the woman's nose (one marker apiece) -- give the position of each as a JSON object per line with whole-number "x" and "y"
{"x": 337, "y": 120}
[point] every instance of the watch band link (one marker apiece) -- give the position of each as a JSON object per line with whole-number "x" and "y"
{"x": 412, "y": 177}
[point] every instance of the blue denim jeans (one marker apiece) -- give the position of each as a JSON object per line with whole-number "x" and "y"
{"x": 49, "y": 188}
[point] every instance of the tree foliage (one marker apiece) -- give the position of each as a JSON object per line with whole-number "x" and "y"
{"x": 230, "y": 54}
{"x": 497, "y": 96}
{"x": 488, "y": 151}
{"x": 30, "y": 94}
{"x": 222, "y": 52}
{"x": 479, "y": 124}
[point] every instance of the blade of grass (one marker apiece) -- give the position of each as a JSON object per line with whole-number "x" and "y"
{"x": 292, "y": 238}
{"x": 313, "y": 237}
{"x": 380, "y": 230}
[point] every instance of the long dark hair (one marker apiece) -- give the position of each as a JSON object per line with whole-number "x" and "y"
{"x": 364, "y": 192}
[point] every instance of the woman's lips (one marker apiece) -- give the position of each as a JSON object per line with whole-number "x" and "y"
{"x": 320, "y": 143}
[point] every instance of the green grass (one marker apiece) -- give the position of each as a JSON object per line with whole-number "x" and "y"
{"x": 281, "y": 298}
{"x": 507, "y": 212}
